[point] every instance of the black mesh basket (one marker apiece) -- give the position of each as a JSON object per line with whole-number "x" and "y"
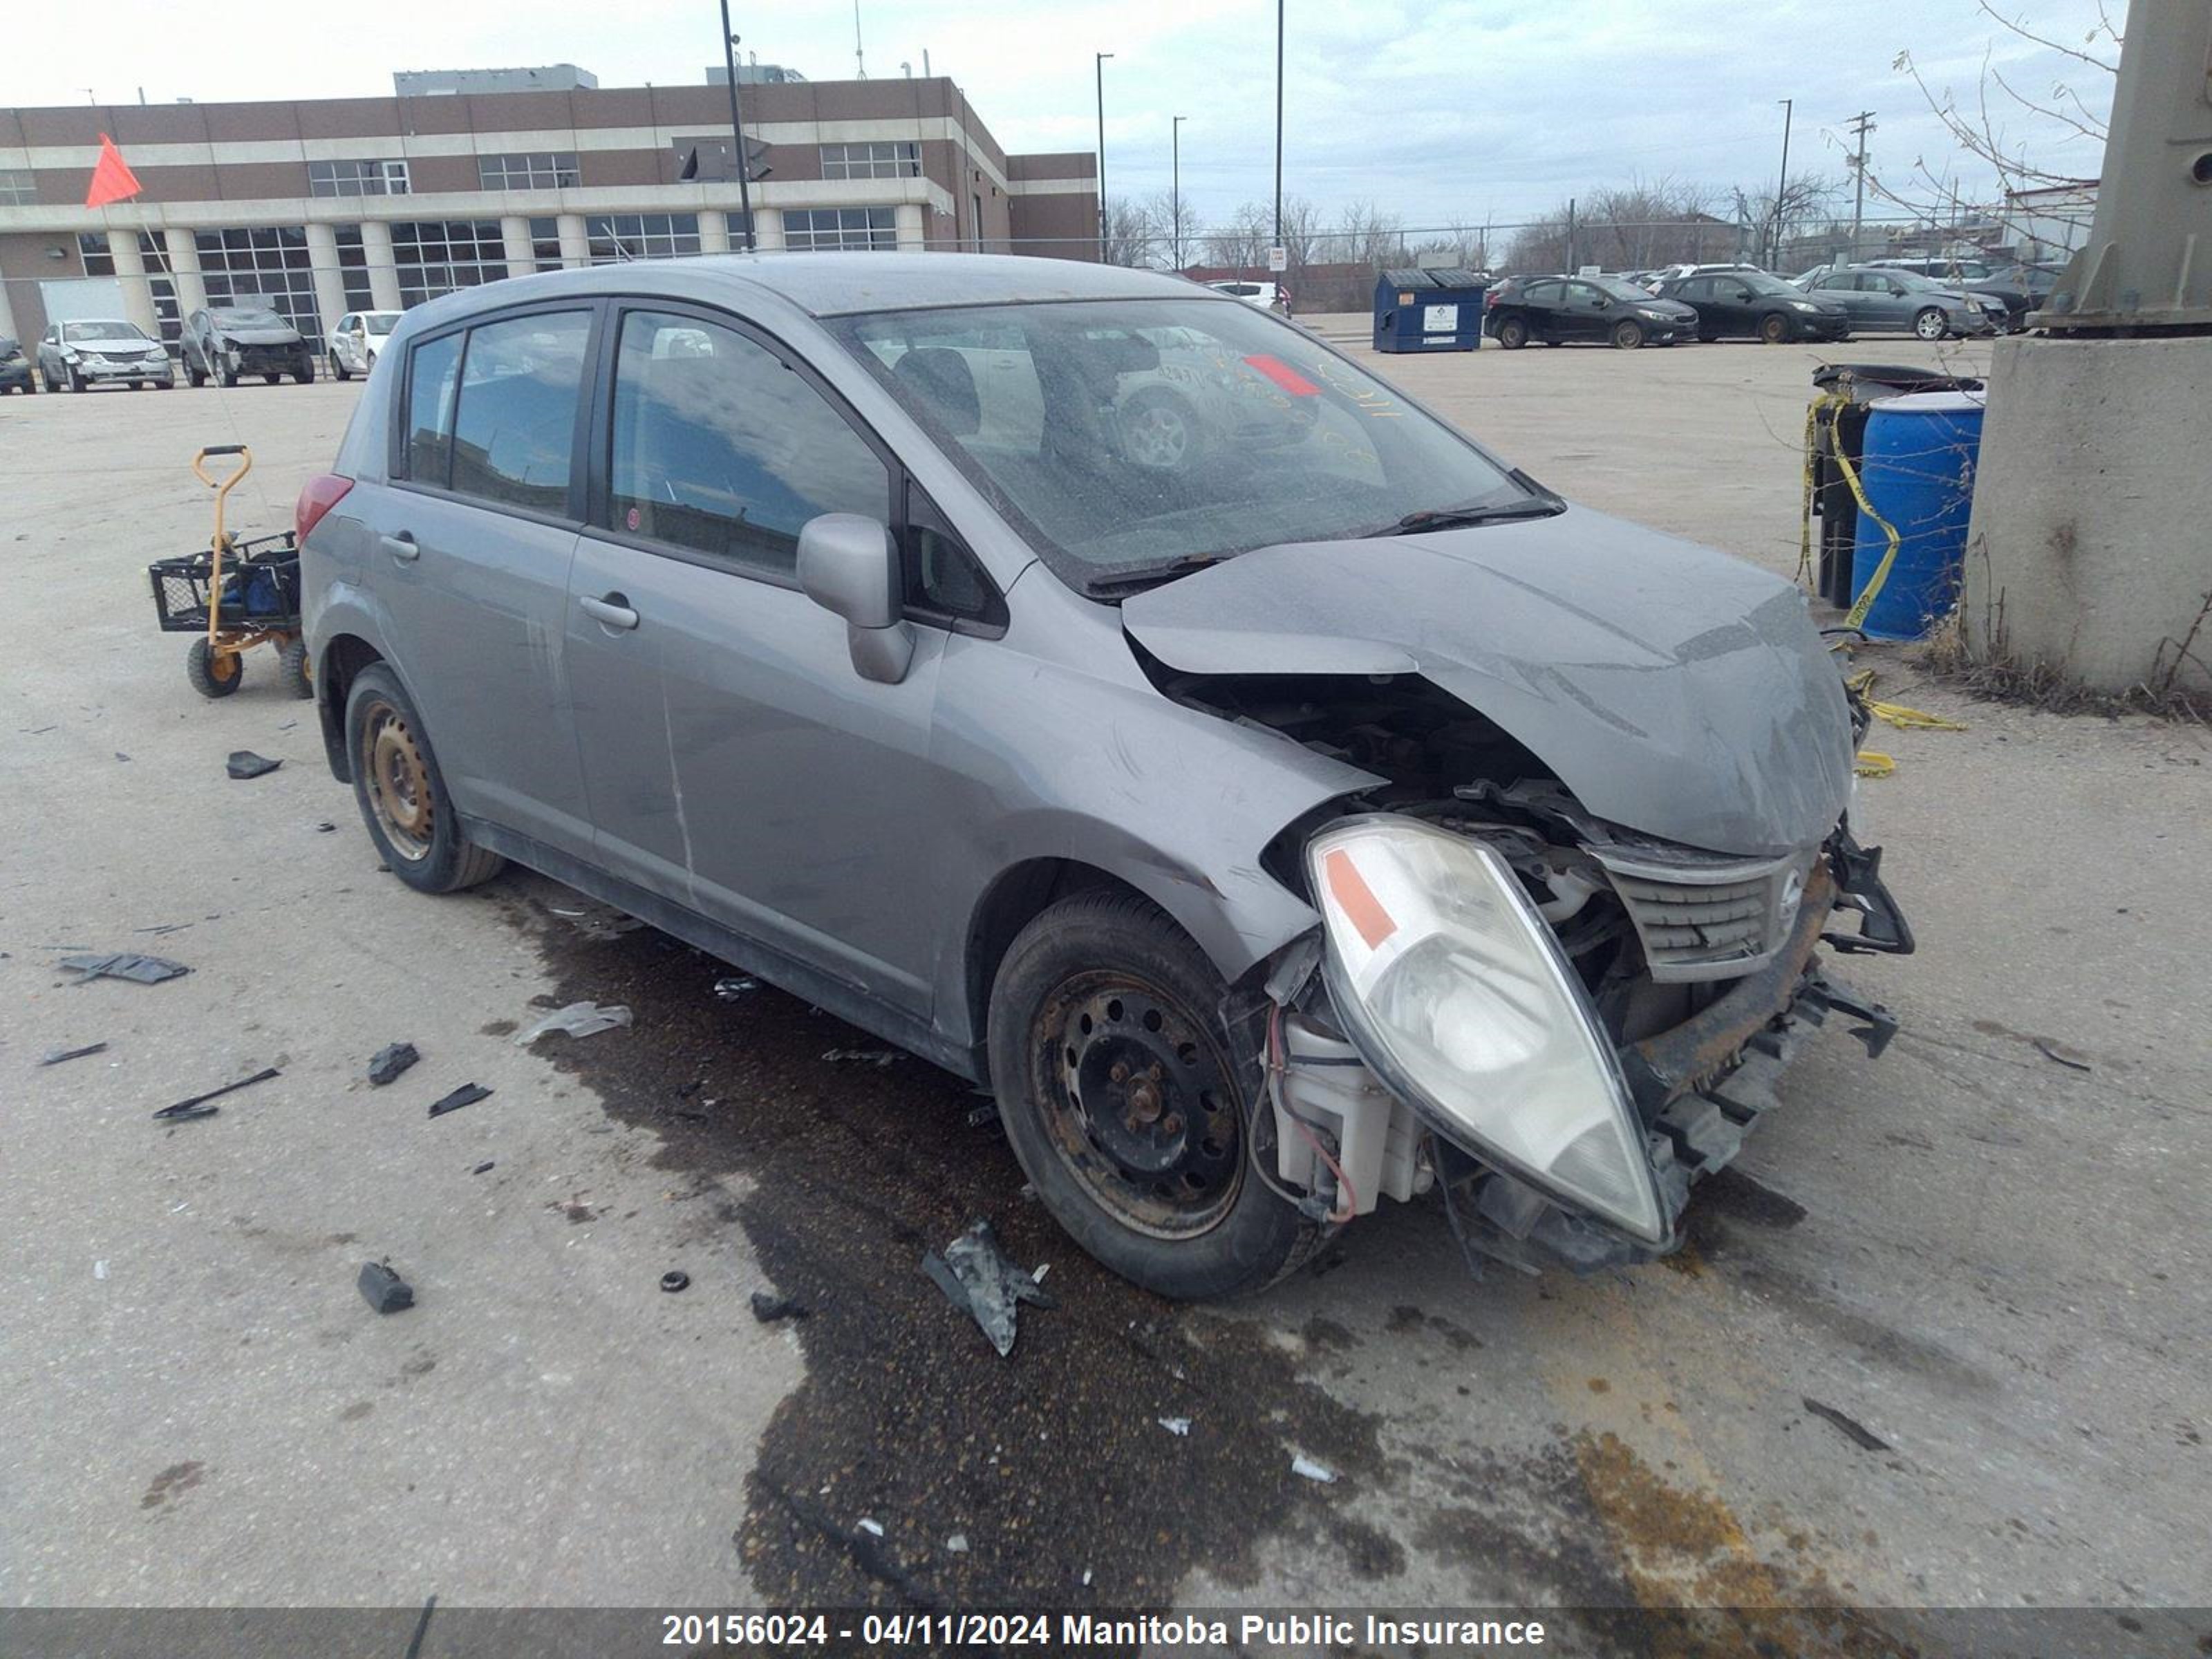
{"x": 260, "y": 586}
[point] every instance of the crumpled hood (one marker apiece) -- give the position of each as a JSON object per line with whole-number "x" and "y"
{"x": 1674, "y": 689}
{"x": 267, "y": 334}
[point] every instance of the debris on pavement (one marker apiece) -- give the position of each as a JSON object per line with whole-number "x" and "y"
{"x": 56, "y": 1056}
{"x": 1857, "y": 1432}
{"x": 483, "y": 1167}
{"x": 979, "y": 1116}
{"x": 675, "y": 1280}
{"x": 124, "y": 964}
{"x": 384, "y": 1290}
{"x": 957, "y": 1544}
{"x": 1306, "y": 1469}
{"x": 861, "y": 1056}
{"x": 186, "y": 1111}
{"x": 100, "y": 1269}
{"x": 165, "y": 927}
{"x": 767, "y": 1307}
{"x": 244, "y": 764}
{"x": 975, "y": 1275}
{"x": 578, "y": 1019}
{"x": 389, "y": 1061}
{"x": 325, "y": 827}
{"x": 1177, "y": 1426}
{"x": 873, "y": 1529}
{"x": 738, "y": 985}
{"x": 467, "y": 1095}
{"x": 2063, "y": 1053}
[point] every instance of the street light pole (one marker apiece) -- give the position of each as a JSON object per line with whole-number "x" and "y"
{"x": 737, "y": 128}
{"x": 1781, "y": 189}
{"x": 1099, "y": 65}
{"x": 1175, "y": 191}
{"x": 1279, "y": 123}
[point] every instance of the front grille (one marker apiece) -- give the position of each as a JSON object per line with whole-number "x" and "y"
{"x": 1703, "y": 916}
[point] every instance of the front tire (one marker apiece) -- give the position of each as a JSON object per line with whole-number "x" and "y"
{"x": 1126, "y": 1102}
{"x": 1931, "y": 325}
{"x": 1513, "y": 333}
{"x": 401, "y": 794}
{"x": 76, "y": 380}
{"x": 1774, "y": 330}
{"x": 1627, "y": 334}
{"x": 214, "y": 674}
{"x": 339, "y": 370}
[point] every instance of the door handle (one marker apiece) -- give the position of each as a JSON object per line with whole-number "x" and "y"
{"x": 613, "y": 611}
{"x": 402, "y": 547}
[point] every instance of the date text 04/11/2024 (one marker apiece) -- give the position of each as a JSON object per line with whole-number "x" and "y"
{"x": 1077, "y": 1630}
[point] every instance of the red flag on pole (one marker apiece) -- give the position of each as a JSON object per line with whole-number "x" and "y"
{"x": 111, "y": 178}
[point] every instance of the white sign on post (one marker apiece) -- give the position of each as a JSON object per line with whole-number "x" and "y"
{"x": 1278, "y": 259}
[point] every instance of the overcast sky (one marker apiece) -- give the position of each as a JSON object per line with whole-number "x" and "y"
{"x": 1436, "y": 110}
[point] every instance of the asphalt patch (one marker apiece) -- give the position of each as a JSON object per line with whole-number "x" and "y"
{"x": 1050, "y": 1463}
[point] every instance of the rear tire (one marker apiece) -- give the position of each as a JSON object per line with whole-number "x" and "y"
{"x": 294, "y": 672}
{"x": 205, "y": 668}
{"x": 1513, "y": 333}
{"x": 401, "y": 794}
{"x": 1125, "y": 1101}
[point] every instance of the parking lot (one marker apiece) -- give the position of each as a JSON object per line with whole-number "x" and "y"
{"x": 1985, "y": 1253}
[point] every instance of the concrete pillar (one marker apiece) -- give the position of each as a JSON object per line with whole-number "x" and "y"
{"x": 329, "y": 281}
{"x": 768, "y": 229}
{"x": 912, "y": 239}
{"x": 714, "y": 230}
{"x": 2086, "y": 555}
{"x": 7, "y": 316}
{"x": 185, "y": 270}
{"x": 576, "y": 242}
{"x": 514, "y": 238}
{"x": 131, "y": 272}
{"x": 383, "y": 275}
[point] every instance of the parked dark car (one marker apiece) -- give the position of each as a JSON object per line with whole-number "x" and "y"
{"x": 1557, "y": 309}
{"x": 1750, "y": 304}
{"x": 227, "y": 342}
{"x": 1340, "y": 819}
{"x": 14, "y": 367}
{"x": 1901, "y": 302}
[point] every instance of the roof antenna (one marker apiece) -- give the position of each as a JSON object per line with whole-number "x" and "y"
{"x": 859, "y": 62}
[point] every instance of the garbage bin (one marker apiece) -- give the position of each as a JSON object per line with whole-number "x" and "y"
{"x": 1428, "y": 309}
{"x": 1918, "y": 475}
{"x": 1864, "y": 385}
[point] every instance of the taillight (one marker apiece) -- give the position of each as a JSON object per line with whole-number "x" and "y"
{"x": 323, "y": 491}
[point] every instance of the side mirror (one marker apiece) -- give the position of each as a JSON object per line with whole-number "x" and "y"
{"x": 848, "y": 566}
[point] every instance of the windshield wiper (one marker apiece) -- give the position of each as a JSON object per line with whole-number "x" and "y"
{"x": 1453, "y": 518}
{"x": 1148, "y": 576}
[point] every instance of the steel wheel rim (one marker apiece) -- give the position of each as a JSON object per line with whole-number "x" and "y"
{"x": 1139, "y": 1104}
{"x": 398, "y": 782}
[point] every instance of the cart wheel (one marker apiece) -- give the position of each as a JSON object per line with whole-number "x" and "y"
{"x": 293, "y": 671}
{"x": 214, "y": 675}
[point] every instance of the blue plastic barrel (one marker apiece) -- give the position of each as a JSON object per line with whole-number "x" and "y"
{"x": 1918, "y": 473}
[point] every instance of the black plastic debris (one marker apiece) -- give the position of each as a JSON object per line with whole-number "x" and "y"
{"x": 467, "y": 1095}
{"x": 978, "y": 1116}
{"x": 124, "y": 964}
{"x": 675, "y": 1280}
{"x": 56, "y": 1056}
{"x": 2063, "y": 1053}
{"x": 186, "y": 1111}
{"x": 325, "y": 827}
{"x": 244, "y": 764}
{"x": 975, "y": 1275}
{"x": 768, "y": 1307}
{"x": 483, "y": 1167}
{"x": 384, "y": 1290}
{"x": 389, "y": 1061}
{"x": 1852, "y": 1429}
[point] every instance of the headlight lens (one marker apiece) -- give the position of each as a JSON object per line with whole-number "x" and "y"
{"x": 1456, "y": 990}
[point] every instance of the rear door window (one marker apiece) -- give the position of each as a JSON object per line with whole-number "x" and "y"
{"x": 521, "y": 381}
{"x": 720, "y": 448}
{"x": 433, "y": 376}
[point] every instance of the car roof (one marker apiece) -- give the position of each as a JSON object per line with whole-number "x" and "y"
{"x": 840, "y": 283}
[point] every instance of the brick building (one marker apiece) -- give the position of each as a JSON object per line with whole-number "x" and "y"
{"x": 319, "y": 208}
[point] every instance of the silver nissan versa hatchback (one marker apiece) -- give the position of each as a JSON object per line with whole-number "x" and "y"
{"x": 1107, "y": 691}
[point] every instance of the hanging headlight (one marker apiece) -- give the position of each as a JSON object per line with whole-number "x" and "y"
{"x": 1455, "y": 991}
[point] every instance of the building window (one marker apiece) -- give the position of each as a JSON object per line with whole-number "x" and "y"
{"x": 888, "y": 160}
{"x": 100, "y": 261}
{"x": 869, "y": 229}
{"x": 353, "y": 269}
{"x": 536, "y": 170}
{"x": 378, "y": 178}
{"x": 618, "y": 238}
{"x": 545, "y": 244}
{"x": 265, "y": 265}
{"x": 17, "y": 187}
{"x": 437, "y": 256}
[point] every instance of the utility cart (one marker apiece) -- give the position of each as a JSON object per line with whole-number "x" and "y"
{"x": 236, "y": 595}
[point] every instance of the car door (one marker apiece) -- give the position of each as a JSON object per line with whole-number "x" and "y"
{"x": 1889, "y": 303}
{"x": 1541, "y": 303}
{"x": 1584, "y": 313}
{"x": 735, "y": 762}
{"x": 471, "y": 546}
{"x": 1843, "y": 287}
{"x": 1697, "y": 292}
{"x": 342, "y": 341}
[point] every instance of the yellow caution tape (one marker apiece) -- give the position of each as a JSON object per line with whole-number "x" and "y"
{"x": 1868, "y": 764}
{"x": 1899, "y": 715}
{"x": 1829, "y": 404}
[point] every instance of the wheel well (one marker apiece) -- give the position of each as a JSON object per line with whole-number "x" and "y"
{"x": 1014, "y": 900}
{"x": 342, "y": 658}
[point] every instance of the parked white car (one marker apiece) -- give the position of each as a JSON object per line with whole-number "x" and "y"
{"x": 79, "y": 354}
{"x": 355, "y": 341}
{"x": 1268, "y": 296}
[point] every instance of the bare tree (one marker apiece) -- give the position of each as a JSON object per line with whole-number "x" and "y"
{"x": 1366, "y": 235}
{"x": 1174, "y": 228}
{"x": 1128, "y": 234}
{"x": 1301, "y": 233}
{"x": 1242, "y": 243}
{"x": 1637, "y": 226}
